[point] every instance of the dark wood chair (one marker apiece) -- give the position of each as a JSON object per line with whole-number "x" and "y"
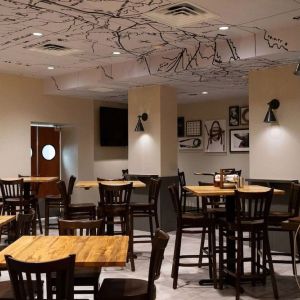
{"x": 56, "y": 202}
{"x": 147, "y": 210}
{"x": 27, "y": 282}
{"x": 34, "y": 188}
{"x": 190, "y": 223}
{"x": 73, "y": 211}
{"x": 251, "y": 219}
{"x": 184, "y": 194}
{"x": 12, "y": 192}
{"x": 274, "y": 224}
{"x": 87, "y": 277}
{"x": 114, "y": 209}
{"x": 137, "y": 289}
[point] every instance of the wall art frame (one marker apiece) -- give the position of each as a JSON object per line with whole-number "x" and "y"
{"x": 239, "y": 140}
{"x": 234, "y": 115}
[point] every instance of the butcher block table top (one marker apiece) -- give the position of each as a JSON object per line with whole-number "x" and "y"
{"x": 217, "y": 191}
{"x": 94, "y": 183}
{"x": 91, "y": 251}
{"x": 6, "y": 219}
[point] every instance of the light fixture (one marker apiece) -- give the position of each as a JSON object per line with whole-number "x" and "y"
{"x": 50, "y": 68}
{"x": 223, "y": 28}
{"x": 116, "y": 53}
{"x": 270, "y": 116}
{"x": 139, "y": 126}
{"x": 37, "y": 34}
{"x": 297, "y": 71}
{"x": 204, "y": 93}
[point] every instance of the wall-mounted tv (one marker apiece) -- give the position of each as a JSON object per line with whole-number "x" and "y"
{"x": 113, "y": 126}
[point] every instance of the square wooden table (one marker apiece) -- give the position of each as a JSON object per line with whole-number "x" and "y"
{"x": 6, "y": 220}
{"x": 91, "y": 251}
{"x": 87, "y": 184}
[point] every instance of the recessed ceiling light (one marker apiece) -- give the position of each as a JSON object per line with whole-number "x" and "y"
{"x": 37, "y": 34}
{"x": 223, "y": 28}
{"x": 50, "y": 68}
{"x": 116, "y": 53}
{"x": 204, "y": 93}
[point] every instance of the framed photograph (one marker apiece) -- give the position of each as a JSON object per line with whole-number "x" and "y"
{"x": 215, "y": 136}
{"x": 190, "y": 143}
{"x": 239, "y": 140}
{"x": 244, "y": 115}
{"x": 193, "y": 128}
{"x": 234, "y": 115}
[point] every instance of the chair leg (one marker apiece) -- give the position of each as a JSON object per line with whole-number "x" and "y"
{"x": 221, "y": 257}
{"x": 201, "y": 247}
{"x": 212, "y": 253}
{"x": 129, "y": 229}
{"x": 46, "y": 218}
{"x": 176, "y": 256}
{"x": 291, "y": 237}
{"x": 39, "y": 216}
{"x": 151, "y": 226}
{"x": 156, "y": 219}
{"x": 238, "y": 267}
{"x": 268, "y": 253}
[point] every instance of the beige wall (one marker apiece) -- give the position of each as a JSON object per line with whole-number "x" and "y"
{"x": 198, "y": 161}
{"x": 275, "y": 148}
{"x": 22, "y": 102}
{"x": 147, "y": 150}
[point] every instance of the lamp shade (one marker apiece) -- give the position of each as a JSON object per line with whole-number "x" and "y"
{"x": 139, "y": 126}
{"x": 270, "y": 117}
{"x": 297, "y": 71}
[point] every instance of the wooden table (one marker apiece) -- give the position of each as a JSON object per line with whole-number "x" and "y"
{"x": 33, "y": 179}
{"x": 94, "y": 183}
{"x": 6, "y": 220}
{"x": 230, "y": 211}
{"x": 91, "y": 251}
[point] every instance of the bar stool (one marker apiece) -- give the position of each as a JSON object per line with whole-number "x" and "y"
{"x": 251, "y": 216}
{"x": 56, "y": 201}
{"x": 114, "y": 209}
{"x": 184, "y": 194}
{"x": 147, "y": 210}
{"x": 191, "y": 223}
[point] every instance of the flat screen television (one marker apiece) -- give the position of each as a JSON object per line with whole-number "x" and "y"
{"x": 113, "y": 126}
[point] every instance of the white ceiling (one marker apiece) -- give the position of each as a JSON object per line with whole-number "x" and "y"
{"x": 263, "y": 33}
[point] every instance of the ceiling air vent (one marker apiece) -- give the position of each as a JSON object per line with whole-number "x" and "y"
{"x": 181, "y": 14}
{"x": 53, "y": 49}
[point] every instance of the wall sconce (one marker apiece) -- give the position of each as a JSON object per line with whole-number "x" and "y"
{"x": 270, "y": 117}
{"x": 139, "y": 126}
{"x": 297, "y": 71}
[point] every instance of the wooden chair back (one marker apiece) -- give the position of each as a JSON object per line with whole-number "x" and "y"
{"x": 80, "y": 227}
{"x": 27, "y": 281}
{"x": 154, "y": 188}
{"x": 71, "y": 183}
{"x": 34, "y": 186}
{"x": 173, "y": 189}
{"x": 181, "y": 178}
{"x": 159, "y": 244}
{"x": 115, "y": 200}
{"x": 24, "y": 223}
{"x": 12, "y": 189}
{"x": 253, "y": 206}
{"x": 66, "y": 198}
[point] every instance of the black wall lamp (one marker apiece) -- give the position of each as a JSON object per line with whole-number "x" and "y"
{"x": 297, "y": 71}
{"x": 270, "y": 116}
{"x": 139, "y": 126}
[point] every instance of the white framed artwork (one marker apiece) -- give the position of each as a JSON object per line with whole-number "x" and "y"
{"x": 215, "y": 136}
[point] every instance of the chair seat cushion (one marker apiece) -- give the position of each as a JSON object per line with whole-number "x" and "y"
{"x": 53, "y": 198}
{"x": 136, "y": 206}
{"x": 276, "y": 217}
{"x": 118, "y": 289}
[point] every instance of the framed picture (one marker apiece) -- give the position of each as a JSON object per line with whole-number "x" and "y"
{"x": 234, "y": 115}
{"x": 215, "y": 136}
{"x": 244, "y": 115}
{"x": 190, "y": 143}
{"x": 193, "y": 128}
{"x": 239, "y": 140}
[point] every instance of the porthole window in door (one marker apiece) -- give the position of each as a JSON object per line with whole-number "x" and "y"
{"x": 48, "y": 152}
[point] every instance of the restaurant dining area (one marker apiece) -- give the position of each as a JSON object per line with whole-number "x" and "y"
{"x": 149, "y": 149}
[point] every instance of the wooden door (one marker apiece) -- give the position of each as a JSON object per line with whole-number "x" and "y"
{"x": 45, "y": 159}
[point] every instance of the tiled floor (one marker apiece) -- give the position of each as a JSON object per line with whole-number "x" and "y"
{"x": 188, "y": 287}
